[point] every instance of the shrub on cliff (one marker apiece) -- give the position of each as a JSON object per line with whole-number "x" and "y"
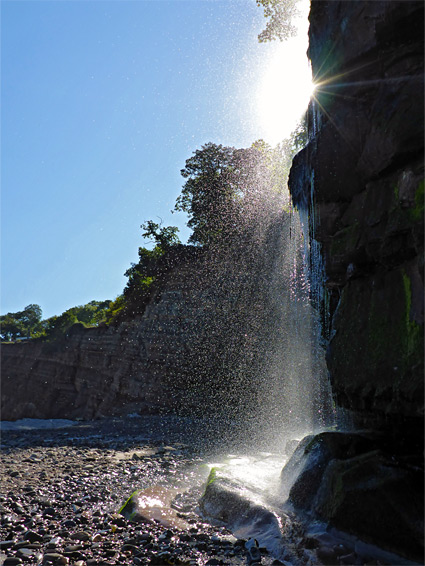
{"x": 145, "y": 275}
{"x": 91, "y": 314}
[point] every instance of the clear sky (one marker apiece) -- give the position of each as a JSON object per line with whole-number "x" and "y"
{"x": 102, "y": 103}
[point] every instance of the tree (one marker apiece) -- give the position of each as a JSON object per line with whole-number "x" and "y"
{"x": 165, "y": 237}
{"x": 142, "y": 275}
{"x": 11, "y": 328}
{"x": 280, "y": 14}
{"x": 21, "y": 324}
{"x": 30, "y": 318}
{"x": 58, "y": 326}
{"x": 90, "y": 314}
{"x": 115, "y": 309}
{"x": 207, "y": 195}
{"x": 226, "y": 188}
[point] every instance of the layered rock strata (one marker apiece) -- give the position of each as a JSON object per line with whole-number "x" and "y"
{"x": 200, "y": 344}
{"x": 360, "y": 181}
{"x": 106, "y": 370}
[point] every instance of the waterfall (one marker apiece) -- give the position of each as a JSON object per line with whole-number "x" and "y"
{"x": 324, "y": 414}
{"x": 293, "y": 392}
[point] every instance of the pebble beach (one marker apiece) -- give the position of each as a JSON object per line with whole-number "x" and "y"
{"x": 62, "y": 488}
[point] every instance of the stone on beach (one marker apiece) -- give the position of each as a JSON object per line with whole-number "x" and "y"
{"x": 153, "y": 504}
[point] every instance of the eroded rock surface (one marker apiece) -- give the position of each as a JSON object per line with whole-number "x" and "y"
{"x": 354, "y": 482}
{"x": 360, "y": 180}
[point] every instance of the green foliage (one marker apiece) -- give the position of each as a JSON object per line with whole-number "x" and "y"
{"x": 28, "y": 323}
{"x": 226, "y": 188}
{"x": 21, "y": 324}
{"x": 137, "y": 291}
{"x": 91, "y": 314}
{"x": 212, "y": 476}
{"x": 11, "y": 328}
{"x": 413, "y": 333}
{"x": 208, "y": 196}
{"x": 58, "y": 326}
{"x": 225, "y": 196}
{"x": 281, "y": 14}
{"x": 418, "y": 211}
{"x": 115, "y": 309}
{"x": 143, "y": 275}
{"x": 163, "y": 237}
{"x": 128, "y": 506}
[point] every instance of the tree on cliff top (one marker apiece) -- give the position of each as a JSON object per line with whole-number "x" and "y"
{"x": 142, "y": 275}
{"x": 90, "y": 314}
{"x": 21, "y": 324}
{"x": 226, "y": 188}
{"x": 163, "y": 236}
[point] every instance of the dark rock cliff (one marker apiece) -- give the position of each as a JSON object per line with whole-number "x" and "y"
{"x": 359, "y": 182}
{"x": 360, "y": 179}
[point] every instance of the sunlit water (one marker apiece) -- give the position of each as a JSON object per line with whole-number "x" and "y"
{"x": 259, "y": 473}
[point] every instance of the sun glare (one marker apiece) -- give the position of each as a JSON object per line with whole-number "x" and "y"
{"x": 285, "y": 86}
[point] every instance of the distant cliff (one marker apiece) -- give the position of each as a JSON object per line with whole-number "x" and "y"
{"x": 106, "y": 370}
{"x": 201, "y": 344}
{"x": 361, "y": 181}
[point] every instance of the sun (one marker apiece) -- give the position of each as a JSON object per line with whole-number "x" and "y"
{"x": 285, "y": 87}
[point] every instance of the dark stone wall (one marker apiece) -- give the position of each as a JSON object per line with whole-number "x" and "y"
{"x": 361, "y": 181}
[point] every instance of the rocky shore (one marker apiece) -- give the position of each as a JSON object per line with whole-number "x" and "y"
{"x": 61, "y": 490}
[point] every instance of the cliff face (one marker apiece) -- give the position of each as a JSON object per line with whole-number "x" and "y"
{"x": 106, "y": 370}
{"x": 200, "y": 345}
{"x": 360, "y": 179}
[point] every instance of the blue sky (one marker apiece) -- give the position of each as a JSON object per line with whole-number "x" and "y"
{"x": 102, "y": 103}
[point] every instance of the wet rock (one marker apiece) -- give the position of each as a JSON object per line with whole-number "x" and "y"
{"x": 254, "y": 554}
{"x": 28, "y": 553}
{"x": 80, "y": 535}
{"x": 378, "y": 500}
{"x": 327, "y": 556}
{"x": 5, "y": 544}
{"x": 33, "y": 536}
{"x": 49, "y": 512}
{"x": 55, "y": 558}
{"x": 350, "y": 559}
{"x": 153, "y": 504}
{"x": 12, "y": 561}
{"x": 368, "y": 204}
{"x": 302, "y": 474}
{"x": 227, "y": 501}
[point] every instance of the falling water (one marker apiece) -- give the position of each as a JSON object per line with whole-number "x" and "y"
{"x": 265, "y": 348}
{"x": 293, "y": 390}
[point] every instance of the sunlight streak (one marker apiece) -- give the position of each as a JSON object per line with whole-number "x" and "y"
{"x": 285, "y": 86}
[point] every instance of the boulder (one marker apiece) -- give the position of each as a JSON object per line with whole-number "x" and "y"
{"x": 153, "y": 504}
{"x": 349, "y": 481}
{"x": 373, "y": 497}
{"x": 242, "y": 511}
{"x": 302, "y": 474}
